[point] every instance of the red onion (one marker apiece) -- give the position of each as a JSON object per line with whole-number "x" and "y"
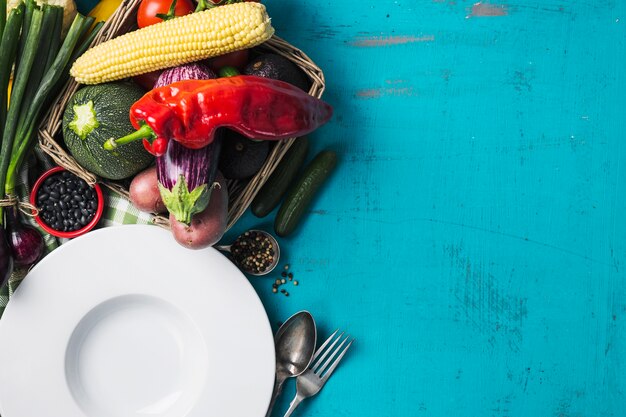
{"x": 26, "y": 242}
{"x": 6, "y": 258}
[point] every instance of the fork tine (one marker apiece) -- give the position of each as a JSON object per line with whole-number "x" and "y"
{"x": 331, "y": 358}
{"x": 336, "y": 362}
{"x": 321, "y": 348}
{"x": 328, "y": 350}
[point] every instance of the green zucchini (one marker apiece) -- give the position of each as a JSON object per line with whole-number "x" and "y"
{"x": 301, "y": 194}
{"x": 277, "y": 184}
{"x": 96, "y": 113}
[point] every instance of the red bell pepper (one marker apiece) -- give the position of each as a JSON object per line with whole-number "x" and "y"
{"x": 191, "y": 111}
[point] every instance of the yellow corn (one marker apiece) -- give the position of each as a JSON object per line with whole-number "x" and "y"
{"x": 174, "y": 42}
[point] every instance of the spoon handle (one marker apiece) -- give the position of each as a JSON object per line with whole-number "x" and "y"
{"x": 223, "y": 248}
{"x": 294, "y": 403}
{"x": 278, "y": 388}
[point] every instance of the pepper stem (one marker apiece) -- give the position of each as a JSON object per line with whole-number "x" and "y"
{"x": 144, "y": 132}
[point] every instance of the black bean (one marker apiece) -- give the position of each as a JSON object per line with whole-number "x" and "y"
{"x": 77, "y": 198}
{"x": 54, "y": 195}
{"x": 82, "y": 204}
{"x": 62, "y": 189}
{"x": 66, "y": 198}
{"x": 83, "y": 220}
{"x": 70, "y": 185}
{"x": 62, "y": 204}
{"x": 84, "y": 212}
{"x": 77, "y": 213}
{"x": 90, "y": 211}
{"x": 93, "y": 204}
{"x": 43, "y": 196}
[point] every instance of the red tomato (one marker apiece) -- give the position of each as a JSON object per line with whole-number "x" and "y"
{"x": 147, "y": 80}
{"x": 148, "y": 10}
{"x": 237, "y": 59}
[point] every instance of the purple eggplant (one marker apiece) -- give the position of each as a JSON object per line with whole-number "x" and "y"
{"x": 186, "y": 175}
{"x": 186, "y": 178}
{"x": 193, "y": 71}
{"x": 6, "y": 258}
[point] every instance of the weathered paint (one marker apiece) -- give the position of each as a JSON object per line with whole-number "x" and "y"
{"x": 373, "y": 41}
{"x": 482, "y": 9}
{"x": 472, "y": 235}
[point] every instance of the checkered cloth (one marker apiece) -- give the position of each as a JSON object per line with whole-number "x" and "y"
{"x": 117, "y": 210}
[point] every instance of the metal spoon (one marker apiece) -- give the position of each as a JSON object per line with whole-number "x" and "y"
{"x": 270, "y": 268}
{"x": 295, "y": 345}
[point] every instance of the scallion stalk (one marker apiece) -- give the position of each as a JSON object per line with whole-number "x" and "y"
{"x": 37, "y": 71}
{"x": 8, "y": 49}
{"x": 55, "y": 35}
{"x": 29, "y": 7}
{"x": 25, "y": 134}
{"x": 3, "y": 17}
{"x": 19, "y": 87}
{"x": 78, "y": 51}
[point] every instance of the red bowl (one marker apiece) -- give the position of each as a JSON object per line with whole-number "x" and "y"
{"x": 74, "y": 233}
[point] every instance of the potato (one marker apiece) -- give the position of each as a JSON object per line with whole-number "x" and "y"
{"x": 144, "y": 192}
{"x": 208, "y": 226}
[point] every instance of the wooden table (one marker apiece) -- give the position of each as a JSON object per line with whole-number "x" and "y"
{"x": 472, "y": 237}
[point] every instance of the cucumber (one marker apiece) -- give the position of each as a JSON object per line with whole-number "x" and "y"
{"x": 277, "y": 184}
{"x": 301, "y": 194}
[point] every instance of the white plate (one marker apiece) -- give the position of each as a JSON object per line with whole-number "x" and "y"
{"x": 124, "y": 322}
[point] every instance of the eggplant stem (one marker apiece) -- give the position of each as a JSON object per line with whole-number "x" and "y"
{"x": 144, "y": 132}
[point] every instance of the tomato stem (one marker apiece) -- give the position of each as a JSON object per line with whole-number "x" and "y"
{"x": 170, "y": 13}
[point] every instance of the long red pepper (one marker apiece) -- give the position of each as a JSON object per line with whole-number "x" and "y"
{"x": 191, "y": 111}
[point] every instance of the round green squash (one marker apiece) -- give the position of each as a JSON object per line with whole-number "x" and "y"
{"x": 95, "y": 114}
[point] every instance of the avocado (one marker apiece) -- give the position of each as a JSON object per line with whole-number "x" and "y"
{"x": 241, "y": 157}
{"x": 279, "y": 68}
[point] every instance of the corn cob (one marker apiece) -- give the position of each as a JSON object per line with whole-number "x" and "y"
{"x": 174, "y": 42}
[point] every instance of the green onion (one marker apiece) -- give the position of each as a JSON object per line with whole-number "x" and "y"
{"x": 3, "y": 22}
{"x": 19, "y": 86}
{"x": 37, "y": 71}
{"x": 28, "y": 16}
{"x": 25, "y": 134}
{"x": 55, "y": 35}
{"x": 77, "y": 52}
{"x": 8, "y": 48}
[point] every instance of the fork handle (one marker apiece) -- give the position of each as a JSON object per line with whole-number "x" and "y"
{"x": 294, "y": 403}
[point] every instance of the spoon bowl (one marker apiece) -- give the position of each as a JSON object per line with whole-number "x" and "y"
{"x": 269, "y": 268}
{"x": 295, "y": 343}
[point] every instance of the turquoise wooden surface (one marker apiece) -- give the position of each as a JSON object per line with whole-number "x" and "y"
{"x": 472, "y": 237}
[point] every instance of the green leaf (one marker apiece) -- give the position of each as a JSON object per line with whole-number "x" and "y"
{"x": 182, "y": 203}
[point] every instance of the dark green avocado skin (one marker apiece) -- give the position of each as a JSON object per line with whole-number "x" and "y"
{"x": 278, "y": 68}
{"x": 241, "y": 157}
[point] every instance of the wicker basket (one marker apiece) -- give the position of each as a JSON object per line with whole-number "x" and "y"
{"x": 241, "y": 193}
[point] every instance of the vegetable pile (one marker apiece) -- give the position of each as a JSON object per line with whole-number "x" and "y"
{"x": 36, "y": 51}
{"x": 164, "y": 108}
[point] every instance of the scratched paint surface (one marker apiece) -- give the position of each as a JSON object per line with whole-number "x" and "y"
{"x": 472, "y": 237}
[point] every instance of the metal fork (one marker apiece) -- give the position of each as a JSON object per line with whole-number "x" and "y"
{"x": 313, "y": 379}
